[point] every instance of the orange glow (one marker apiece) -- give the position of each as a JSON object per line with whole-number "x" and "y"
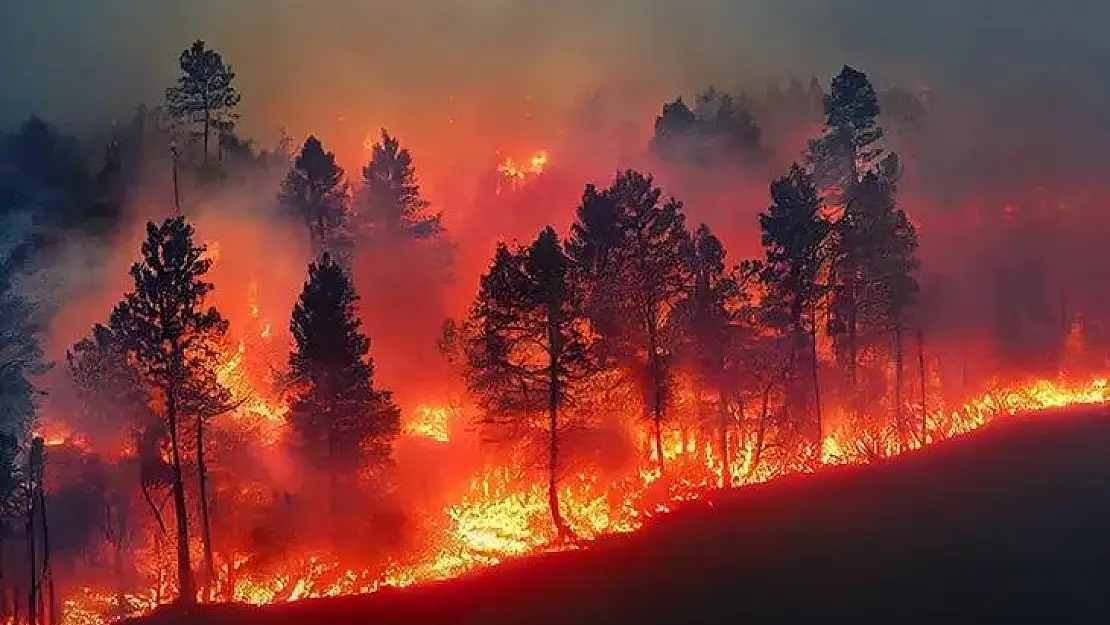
{"x": 502, "y": 514}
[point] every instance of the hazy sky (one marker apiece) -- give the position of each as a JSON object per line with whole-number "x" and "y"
{"x": 341, "y": 68}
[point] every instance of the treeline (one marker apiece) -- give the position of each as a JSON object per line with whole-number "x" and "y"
{"x": 635, "y": 294}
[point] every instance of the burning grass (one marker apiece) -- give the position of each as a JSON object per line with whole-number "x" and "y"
{"x": 502, "y": 514}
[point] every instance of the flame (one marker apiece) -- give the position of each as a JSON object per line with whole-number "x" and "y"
{"x": 501, "y": 515}
{"x": 500, "y": 512}
{"x": 431, "y": 422}
{"x": 534, "y": 165}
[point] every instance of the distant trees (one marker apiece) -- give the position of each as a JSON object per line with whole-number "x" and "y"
{"x": 633, "y": 249}
{"x": 168, "y": 332}
{"x": 315, "y": 192}
{"x": 205, "y": 95}
{"x": 390, "y": 202}
{"x": 718, "y": 130}
{"x": 528, "y": 347}
{"x": 339, "y": 418}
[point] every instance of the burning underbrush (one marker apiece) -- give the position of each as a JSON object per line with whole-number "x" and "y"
{"x": 461, "y": 510}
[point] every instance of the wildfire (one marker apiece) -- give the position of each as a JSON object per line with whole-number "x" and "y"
{"x": 431, "y": 422}
{"x": 502, "y": 514}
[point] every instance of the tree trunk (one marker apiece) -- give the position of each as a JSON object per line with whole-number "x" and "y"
{"x": 553, "y": 451}
{"x": 47, "y": 566}
{"x": 33, "y": 569}
{"x": 205, "y": 521}
{"x": 722, "y": 422}
{"x": 816, "y": 382}
{"x": 207, "y": 130}
{"x": 899, "y": 366}
{"x": 760, "y": 434}
{"x": 924, "y": 387}
{"x": 187, "y": 595}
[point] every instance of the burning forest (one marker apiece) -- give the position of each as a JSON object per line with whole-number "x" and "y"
{"x": 233, "y": 374}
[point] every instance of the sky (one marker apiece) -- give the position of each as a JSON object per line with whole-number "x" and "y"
{"x": 308, "y": 63}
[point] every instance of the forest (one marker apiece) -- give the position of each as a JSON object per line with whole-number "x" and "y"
{"x": 292, "y": 380}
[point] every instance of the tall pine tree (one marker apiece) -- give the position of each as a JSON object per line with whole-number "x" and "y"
{"x": 634, "y": 250}
{"x": 793, "y": 233}
{"x": 205, "y": 95}
{"x": 167, "y": 331}
{"x": 528, "y": 348}
{"x": 339, "y": 418}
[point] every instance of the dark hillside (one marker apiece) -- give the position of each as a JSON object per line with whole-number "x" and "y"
{"x": 1008, "y": 525}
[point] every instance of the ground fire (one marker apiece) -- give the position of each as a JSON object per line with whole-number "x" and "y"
{"x": 286, "y": 379}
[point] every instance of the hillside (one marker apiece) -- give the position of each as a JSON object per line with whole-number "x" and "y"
{"x": 1008, "y": 525}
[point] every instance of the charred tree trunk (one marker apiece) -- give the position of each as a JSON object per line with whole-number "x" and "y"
{"x": 207, "y": 131}
{"x": 187, "y": 595}
{"x": 47, "y": 567}
{"x": 553, "y": 454}
{"x": 924, "y": 387}
{"x": 760, "y": 433}
{"x": 554, "y": 350}
{"x": 722, "y": 423}
{"x": 205, "y": 521}
{"x": 33, "y": 569}
{"x": 816, "y": 380}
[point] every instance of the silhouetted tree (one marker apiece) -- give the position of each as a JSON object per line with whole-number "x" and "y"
{"x": 390, "y": 202}
{"x": 315, "y": 192}
{"x": 339, "y": 418}
{"x": 168, "y": 332}
{"x": 793, "y": 232}
{"x": 528, "y": 347}
{"x": 883, "y": 247}
{"x": 204, "y": 94}
{"x": 717, "y": 130}
{"x": 109, "y": 388}
{"x": 851, "y": 143}
{"x": 633, "y": 249}
{"x": 710, "y": 327}
{"x": 673, "y": 130}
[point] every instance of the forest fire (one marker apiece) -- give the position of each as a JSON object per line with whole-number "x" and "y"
{"x": 502, "y": 516}
{"x": 258, "y": 411}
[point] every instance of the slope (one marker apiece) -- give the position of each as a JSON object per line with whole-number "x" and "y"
{"x": 1007, "y": 525}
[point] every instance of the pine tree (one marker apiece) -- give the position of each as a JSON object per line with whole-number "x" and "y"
{"x": 851, "y": 143}
{"x": 168, "y": 332}
{"x": 108, "y": 386}
{"x": 793, "y": 233}
{"x": 338, "y": 417}
{"x": 633, "y": 249}
{"x": 205, "y": 94}
{"x": 391, "y": 203}
{"x": 885, "y": 246}
{"x": 710, "y": 327}
{"x": 315, "y": 192}
{"x": 528, "y": 348}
